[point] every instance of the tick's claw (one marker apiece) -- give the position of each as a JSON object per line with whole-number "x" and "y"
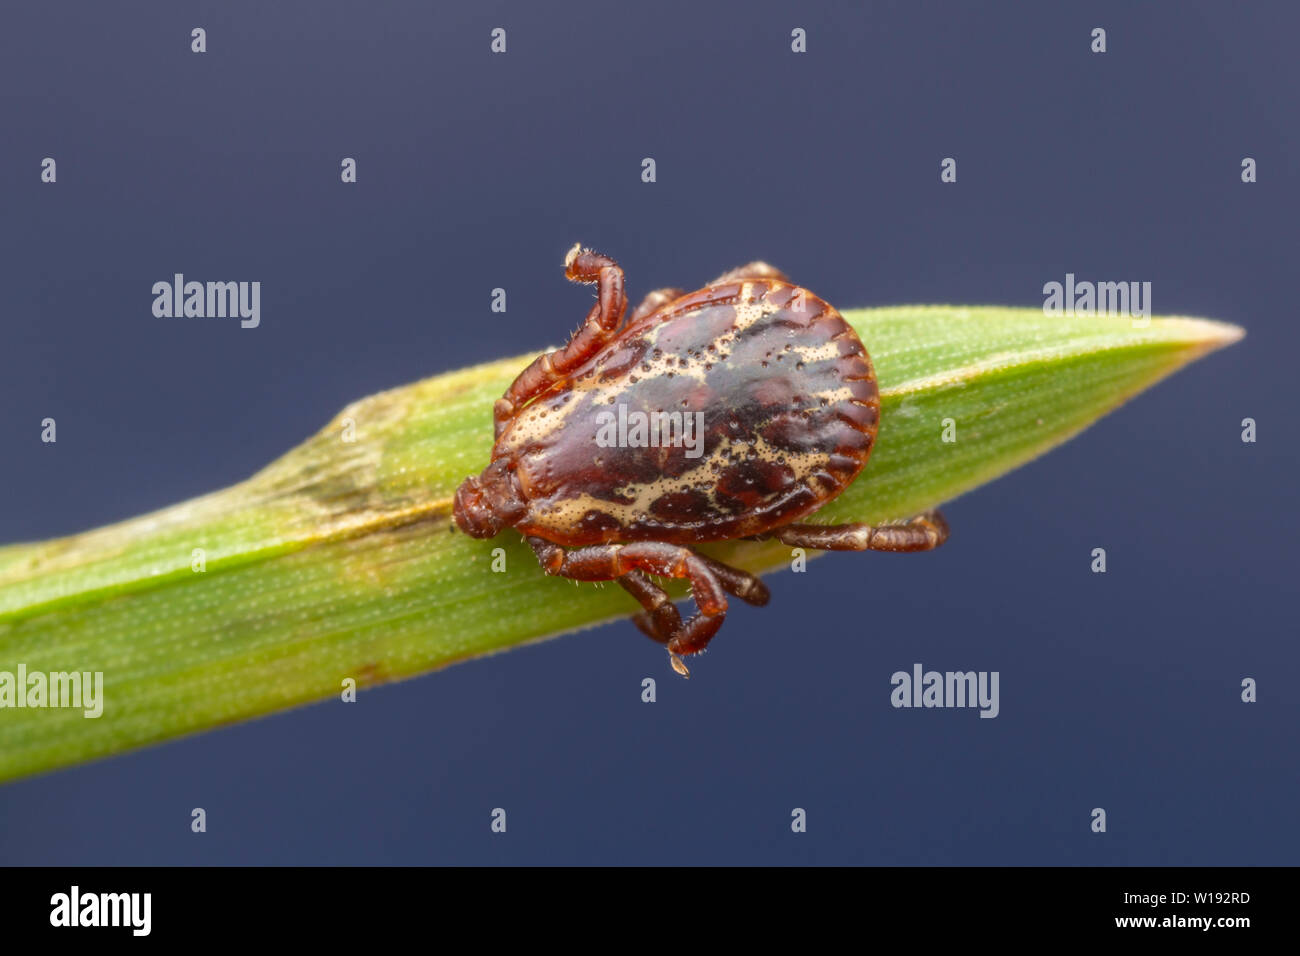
{"x": 679, "y": 665}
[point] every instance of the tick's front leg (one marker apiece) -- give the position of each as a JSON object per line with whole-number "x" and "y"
{"x": 580, "y": 265}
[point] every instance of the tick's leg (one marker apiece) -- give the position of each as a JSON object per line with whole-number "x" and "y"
{"x": 581, "y": 265}
{"x": 921, "y": 533}
{"x": 606, "y": 562}
{"x": 660, "y": 620}
{"x": 740, "y": 583}
{"x": 751, "y": 270}
{"x": 657, "y": 298}
{"x": 647, "y": 626}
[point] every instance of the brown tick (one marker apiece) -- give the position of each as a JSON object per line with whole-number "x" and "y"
{"x": 731, "y": 412}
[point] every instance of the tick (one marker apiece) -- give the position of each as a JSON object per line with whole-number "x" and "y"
{"x": 735, "y": 411}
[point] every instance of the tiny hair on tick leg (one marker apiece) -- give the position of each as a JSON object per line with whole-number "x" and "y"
{"x": 753, "y": 403}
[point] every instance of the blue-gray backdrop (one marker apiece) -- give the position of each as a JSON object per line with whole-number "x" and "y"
{"x": 478, "y": 170}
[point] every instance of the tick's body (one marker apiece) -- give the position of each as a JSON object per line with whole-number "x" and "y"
{"x": 789, "y": 409}
{"x": 756, "y": 404}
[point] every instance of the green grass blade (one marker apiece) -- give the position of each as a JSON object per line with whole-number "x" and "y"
{"x": 336, "y": 561}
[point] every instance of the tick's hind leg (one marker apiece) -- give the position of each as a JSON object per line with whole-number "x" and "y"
{"x": 655, "y": 300}
{"x": 924, "y": 532}
{"x": 607, "y": 562}
{"x": 581, "y": 265}
{"x": 751, "y": 270}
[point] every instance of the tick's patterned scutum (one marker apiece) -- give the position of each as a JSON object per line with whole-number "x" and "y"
{"x": 790, "y": 410}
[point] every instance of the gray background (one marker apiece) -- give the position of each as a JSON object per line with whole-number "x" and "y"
{"x": 478, "y": 171}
